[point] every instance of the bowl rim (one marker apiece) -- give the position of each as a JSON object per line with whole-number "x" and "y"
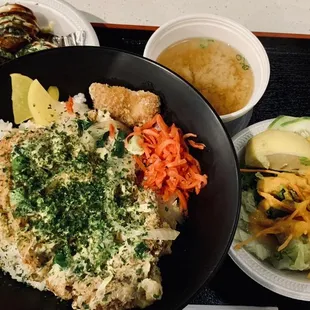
{"x": 266, "y": 275}
{"x": 253, "y": 41}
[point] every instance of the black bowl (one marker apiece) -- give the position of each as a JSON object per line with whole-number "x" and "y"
{"x": 206, "y": 236}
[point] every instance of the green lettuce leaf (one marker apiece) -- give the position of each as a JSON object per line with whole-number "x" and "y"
{"x": 296, "y": 256}
{"x": 261, "y": 250}
{"x": 249, "y": 202}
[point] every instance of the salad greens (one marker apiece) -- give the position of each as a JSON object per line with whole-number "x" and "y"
{"x": 296, "y": 256}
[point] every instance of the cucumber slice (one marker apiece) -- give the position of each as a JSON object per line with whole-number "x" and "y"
{"x": 300, "y": 125}
{"x": 277, "y": 123}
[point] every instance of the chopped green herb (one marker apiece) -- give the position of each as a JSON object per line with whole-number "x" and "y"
{"x": 140, "y": 250}
{"x": 304, "y": 161}
{"x": 83, "y": 125}
{"x": 273, "y": 213}
{"x": 119, "y": 145}
{"x": 76, "y": 201}
{"x": 62, "y": 258}
{"x": 103, "y": 140}
{"x": 281, "y": 193}
{"x": 243, "y": 62}
{"x": 85, "y": 306}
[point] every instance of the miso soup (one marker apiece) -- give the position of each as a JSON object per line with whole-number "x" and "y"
{"x": 217, "y": 70}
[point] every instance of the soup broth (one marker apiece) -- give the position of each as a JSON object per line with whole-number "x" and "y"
{"x": 217, "y": 70}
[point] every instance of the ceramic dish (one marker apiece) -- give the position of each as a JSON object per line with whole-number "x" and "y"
{"x": 65, "y": 18}
{"x": 292, "y": 284}
{"x": 206, "y": 236}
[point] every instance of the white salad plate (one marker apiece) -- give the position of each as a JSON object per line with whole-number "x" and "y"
{"x": 63, "y": 16}
{"x": 226, "y": 307}
{"x": 292, "y": 284}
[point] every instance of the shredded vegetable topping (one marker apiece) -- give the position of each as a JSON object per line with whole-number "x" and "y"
{"x": 167, "y": 166}
{"x": 284, "y": 208}
{"x": 69, "y": 105}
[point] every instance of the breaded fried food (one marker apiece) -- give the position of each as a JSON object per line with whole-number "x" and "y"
{"x": 133, "y": 108}
{"x": 18, "y": 26}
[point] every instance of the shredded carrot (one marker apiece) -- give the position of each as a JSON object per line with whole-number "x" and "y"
{"x": 167, "y": 166}
{"x": 111, "y": 131}
{"x": 139, "y": 163}
{"x": 297, "y": 221}
{"x": 199, "y": 146}
{"x": 285, "y": 243}
{"x": 69, "y": 105}
{"x": 189, "y": 135}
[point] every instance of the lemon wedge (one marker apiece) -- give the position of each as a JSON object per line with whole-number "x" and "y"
{"x": 54, "y": 92}
{"x": 43, "y": 107}
{"x": 20, "y": 87}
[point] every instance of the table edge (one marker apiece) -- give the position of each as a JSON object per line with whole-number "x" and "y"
{"x": 153, "y": 28}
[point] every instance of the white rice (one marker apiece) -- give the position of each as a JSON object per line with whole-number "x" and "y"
{"x": 28, "y": 125}
{"x": 79, "y": 104}
{"x": 5, "y": 128}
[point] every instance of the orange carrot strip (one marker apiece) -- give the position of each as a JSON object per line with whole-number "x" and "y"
{"x": 150, "y": 123}
{"x": 111, "y": 131}
{"x": 196, "y": 145}
{"x": 137, "y": 131}
{"x": 168, "y": 167}
{"x": 189, "y": 135}
{"x": 163, "y": 145}
{"x": 69, "y": 105}
{"x": 174, "y": 132}
{"x": 147, "y": 152}
{"x": 177, "y": 163}
{"x": 149, "y": 145}
{"x": 192, "y": 160}
{"x": 201, "y": 178}
{"x": 139, "y": 163}
{"x": 149, "y": 139}
{"x": 162, "y": 125}
{"x": 150, "y": 132}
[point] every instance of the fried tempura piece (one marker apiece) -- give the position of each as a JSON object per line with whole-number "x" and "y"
{"x": 133, "y": 108}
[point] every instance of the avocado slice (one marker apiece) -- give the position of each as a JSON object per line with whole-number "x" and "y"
{"x": 278, "y": 150}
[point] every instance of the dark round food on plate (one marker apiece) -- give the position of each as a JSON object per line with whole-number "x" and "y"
{"x": 93, "y": 230}
{"x": 18, "y": 26}
{"x": 17, "y": 8}
{"x": 35, "y": 46}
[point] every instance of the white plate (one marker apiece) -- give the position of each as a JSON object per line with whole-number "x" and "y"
{"x": 226, "y": 307}
{"x": 287, "y": 283}
{"x": 66, "y": 18}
